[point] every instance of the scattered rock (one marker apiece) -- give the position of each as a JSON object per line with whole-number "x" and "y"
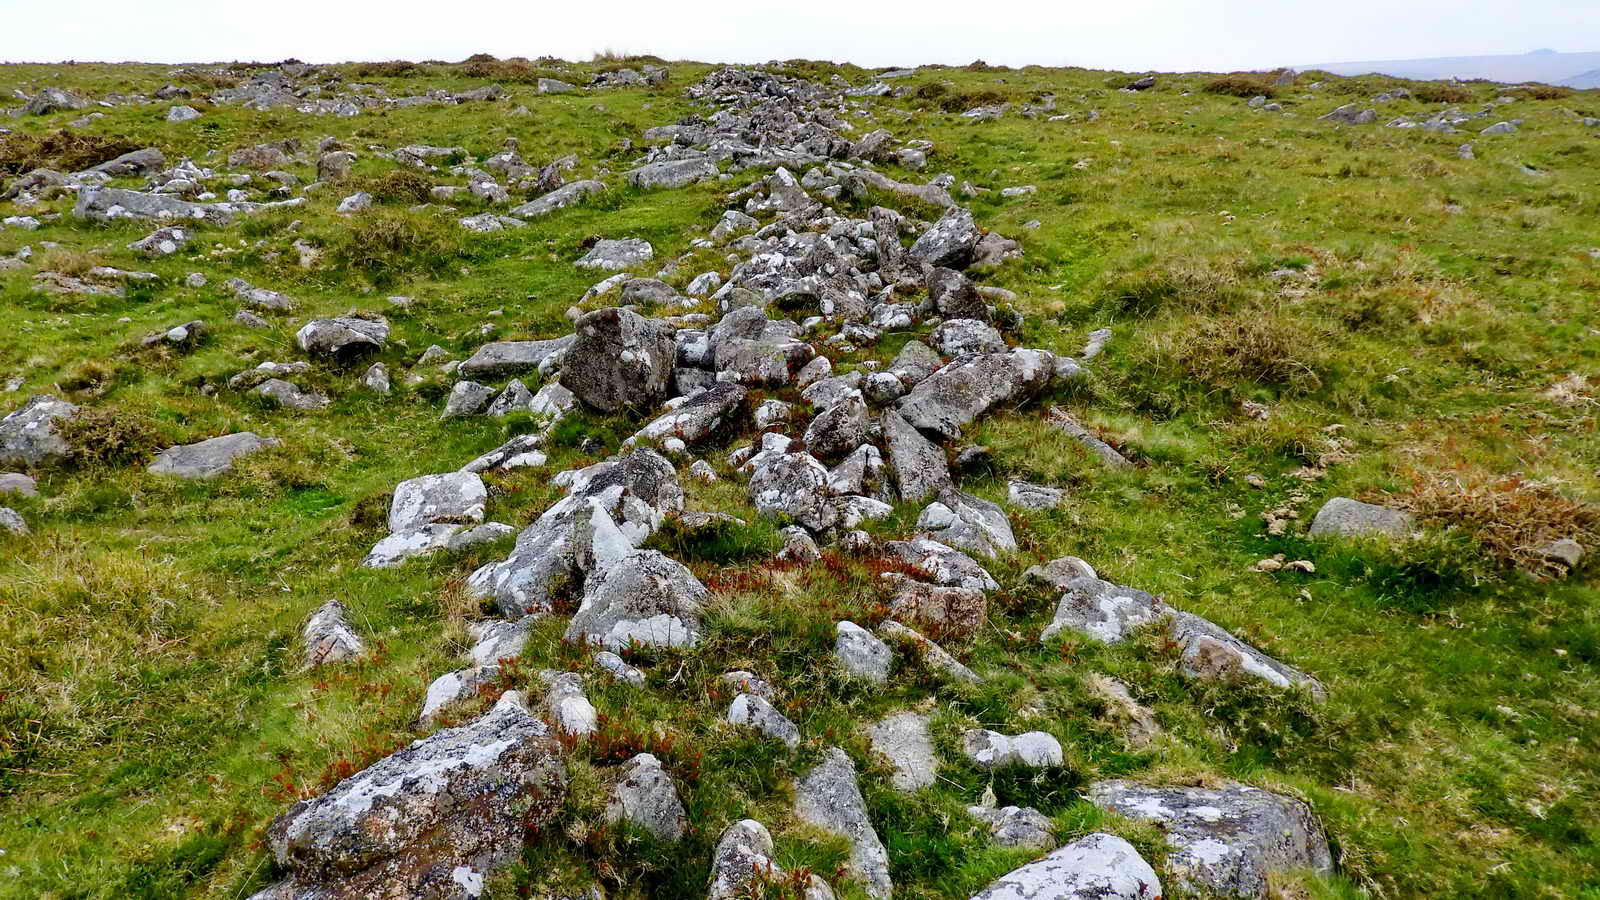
{"x": 993, "y": 750}
{"x": 829, "y": 798}
{"x": 329, "y": 637}
{"x": 620, "y": 360}
{"x": 209, "y": 458}
{"x": 645, "y": 597}
{"x": 861, "y": 654}
{"x": 342, "y": 339}
{"x": 1344, "y": 517}
{"x": 28, "y": 434}
{"x": 756, "y": 712}
{"x": 904, "y": 739}
{"x": 1096, "y": 867}
{"x": 645, "y": 796}
{"x": 614, "y": 255}
{"x": 970, "y": 523}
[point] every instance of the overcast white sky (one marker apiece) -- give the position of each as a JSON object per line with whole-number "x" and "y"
{"x": 1171, "y": 35}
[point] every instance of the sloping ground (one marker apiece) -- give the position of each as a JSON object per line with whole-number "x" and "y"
{"x": 1298, "y": 310}
{"x": 1551, "y": 68}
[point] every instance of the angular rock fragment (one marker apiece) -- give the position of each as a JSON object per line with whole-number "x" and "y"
{"x": 29, "y": 436}
{"x": 329, "y": 637}
{"x": 342, "y": 339}
{"x": 1096, "y": 867}
{"x": 645, "y": 597}
{"x": 1345, "y": 517}
{"x": 860, "y": 652}
{"x": 757, "y": 712}
{"x": 645, "y": 796}
{"x": 903, "y": 738}
{"x": 969, "y": 523}
{"x": 829, "y": 798}
{"x": 932, "y": 655}
{"x": 620, "y": 360}
{"x": 208, "y": 458}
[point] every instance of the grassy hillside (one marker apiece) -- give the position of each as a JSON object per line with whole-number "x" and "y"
{"x": 1300, "y": 309}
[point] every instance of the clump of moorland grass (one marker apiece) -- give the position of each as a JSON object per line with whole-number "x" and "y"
{"x": 1511, "y": 519}
{"x": 1442, "y": 92}
{"x": 400, "y": 186}
{"x": 385, "y": 246}
{"x": 110, "y": 436}
{"x": 1174, "y": 284}
{"x": 62, "y": 150}
{"x": 1241, "y": 85}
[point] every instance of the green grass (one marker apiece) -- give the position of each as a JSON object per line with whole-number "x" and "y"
{"x": 154, "y": 717}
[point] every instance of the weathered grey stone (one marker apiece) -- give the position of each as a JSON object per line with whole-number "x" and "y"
{"x": 134, "y": 162}
{"x": 289, "y": 396}
{"x": 568, "y": 705}
{"x": 993, "y": 750}
{"x": 645, "y": 796}
{"x": 829, "y": 798}
{"x": 18, "y": 483}
{"x": 862, "y": 472}
{"x": 945, "y": 610}
{"x": 839, "y": 429}
{"x": 1035, "y": 496}
{"x": 950, "y": 242}
{"x": 560, "y": 198}
{"x": 672, "y": 173}
{"x": 1104, "y": 611}
{"x": 903, "y": 738}
{"x": 942, "y": 564}
{"x": 1016, "y": 826}
{"x": 612, "y": 508}
{"x": 1352, "y": 114}
{"x": 433, "y": 819}
{"x": 618, "y": 668}
{"x": 959, "y": 393}
{"x": 931, "y": 654}
{"x": 424, "y": 539}
{"x": 1209, "y": 652}
{"x": 376, "y": 380}
{"x": 452, "y": 497}
{"x": 162, "y": 242}
{"x": 861, "y": 653}
{"x": 971, "y": 523}
{"x": 11, "y": 522}
{"x": 1344, "y": 517}
{"x": 757, "y": 712}
{"x": 742, "y": 866}
{"x": 1228, "y": 840}
{"x": 795, "y": 485}
{"x": 104, "y": 203}
{"x": 208, "y": 458}
{"x": 28, "y": 435}
{"x": 964, "y": 337}
{"x": 645, "y": 597}
{"x": 342, "y": 339}
{"x": 1060, "y": 419}
{"x": 615, "y": 255}
{"x": 329, "y": 637}
{"x": 249, "y": 378}
{"x": 335, "y": 166}
{"x": 467, "y": 398}
{"x": 510, "y": 358}
{"x": 496, "y": 639}
{"x": 515, "y": 398}
{"x": 743, "y": 682}
{"x": 1137, "y": 722}
{"x": 920, "y": 467}
{"x": 954, "y": 296}
{"x": 452, "y": 688}
{"x": 1096, "y": 867}
{"x": 554, "y": 86}
{"x": 700, "y": 418}
{"x": 799, "y": 546}
{"x": 620, "y": 360}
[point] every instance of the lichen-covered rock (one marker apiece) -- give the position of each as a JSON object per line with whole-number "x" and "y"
{"x": 1227, "y": 840}
{"x": 620, "y": 360}
{"x": 920, "y": 467}
{"x": 645, "y": 597}
{"x": 1136, "y": 722}
{"x": 645, "y": 796}
{"x": 959, "y": 393}
{"x": 11, "y": 522}
{"x": 742, "y": 866}
{"x": 943, "y": 564}
{"x": 1034, "y": 496}
{"x": 993, "y": 750}
{"x": 1345, "y": 517}
{"x": 971, "y": 523}
{"x": 795, "y": 485}
{"x": 560, "y": 198}
{"x": 672, "y": 173}
{"x": 278, "y": 392}
{"x": 501, "y": 359}
{"x": 431, "y": 820}
{"x": 496, "y": 639}
{"x": 950, "y": 242}
{"x": 209, "y": 458}
{"x": 954, "y": 296}
{"x": 467, "y": 398}
{"x": 861, "y": 653}
{"x": 757, "y": 712}
{"x": 28, "y": 435}
{"x": 329, "y": 637}
{"x": 1096, "y": 867}
{"x": 903, "y": 738}
{"x": 342, "y": 339}
{"x": 931, "y": 654}
{"x": 1209, "y": 652}
{"x": 697, "y": 419}
{"x": 568, "y": 704}
{"x": 18, "y": 483}
{"x": 1104, "y": 611}
{"x": 829, "y": 798}
{"x": 454, "y": 497}
{"x": 839, "y": 429}
{"x": 1016, "y": 826}
{"x": 946, "y": 611}
{"x": 614, "y": 255}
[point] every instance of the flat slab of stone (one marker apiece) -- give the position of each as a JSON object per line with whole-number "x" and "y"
{"x": 1226, "y": 840}
{"x": 28, "y": 435}
{"x": 503, "y": 359}
{"x": 209, "y": 458}
{"x": 903, "y": 738}
{"x": 829, "y": 798}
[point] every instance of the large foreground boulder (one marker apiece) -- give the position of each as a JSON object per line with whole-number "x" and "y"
{"x": 431, "y": 820}
{"x": 28, "y": 436}
{"x": 620, "y": 360}
{"x": 1226, "y": 840}
{"x": 1095, "y": 867}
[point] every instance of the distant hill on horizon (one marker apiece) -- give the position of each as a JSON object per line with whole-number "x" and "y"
{"x": 1571, "y": 69}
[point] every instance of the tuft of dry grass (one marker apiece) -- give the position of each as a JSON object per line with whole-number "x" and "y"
{"x": 1241, "y": 85}
{"x": 1509, "y": 517}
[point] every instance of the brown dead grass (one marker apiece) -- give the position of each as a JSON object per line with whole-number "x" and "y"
{"x": 1510, "y": 517}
